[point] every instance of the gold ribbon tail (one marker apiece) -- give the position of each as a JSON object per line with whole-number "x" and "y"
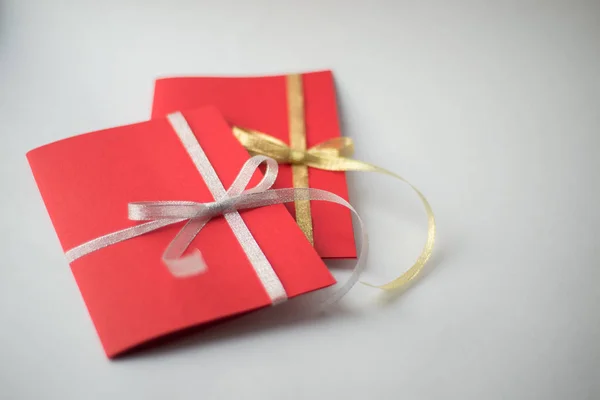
{"x": 331, "y": 162}
{"x": 427, "y": 250}
{"x": 332, "y": 155}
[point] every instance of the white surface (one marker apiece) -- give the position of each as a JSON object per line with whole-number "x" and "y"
{"x": 491, "y": 108}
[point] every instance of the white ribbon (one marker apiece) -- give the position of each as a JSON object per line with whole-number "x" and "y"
{"x": 227, "y": 203}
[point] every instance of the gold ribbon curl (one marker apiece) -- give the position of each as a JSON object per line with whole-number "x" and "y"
{"x": 332, "y": 155}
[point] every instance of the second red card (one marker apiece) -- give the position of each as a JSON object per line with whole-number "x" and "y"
{"x": 261, "y": 103}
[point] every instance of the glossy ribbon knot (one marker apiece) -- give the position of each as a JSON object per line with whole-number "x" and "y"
{"x": 329, "y": 155}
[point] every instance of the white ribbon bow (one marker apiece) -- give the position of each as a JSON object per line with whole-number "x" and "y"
{"x": 227, "y": 203}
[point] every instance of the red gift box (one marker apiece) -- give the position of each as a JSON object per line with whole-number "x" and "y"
{"x": 86, "y": 183}
{"x": 263, "y": 104}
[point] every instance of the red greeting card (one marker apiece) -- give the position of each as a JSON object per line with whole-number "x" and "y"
{"x": 86, "y": 183}
{"x": 262, "y": 103}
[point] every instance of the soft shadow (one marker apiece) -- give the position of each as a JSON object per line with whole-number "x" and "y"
{"x": 340, "y": 263}
{"x": 294, "y": 313}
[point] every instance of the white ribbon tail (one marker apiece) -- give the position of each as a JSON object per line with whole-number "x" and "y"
{"x": 116, "y": 237}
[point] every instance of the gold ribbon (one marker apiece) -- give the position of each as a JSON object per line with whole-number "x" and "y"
{"x": 332, "y": 155}
{"x": 297, "y": 131}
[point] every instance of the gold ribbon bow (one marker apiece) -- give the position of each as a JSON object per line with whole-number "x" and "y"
{"x": 332, "y": 155}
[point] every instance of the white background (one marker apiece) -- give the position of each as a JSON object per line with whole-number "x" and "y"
{"x": 491, "y": 108}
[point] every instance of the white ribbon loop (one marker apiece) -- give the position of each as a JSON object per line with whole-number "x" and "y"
{"x": 241, "y": 181}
